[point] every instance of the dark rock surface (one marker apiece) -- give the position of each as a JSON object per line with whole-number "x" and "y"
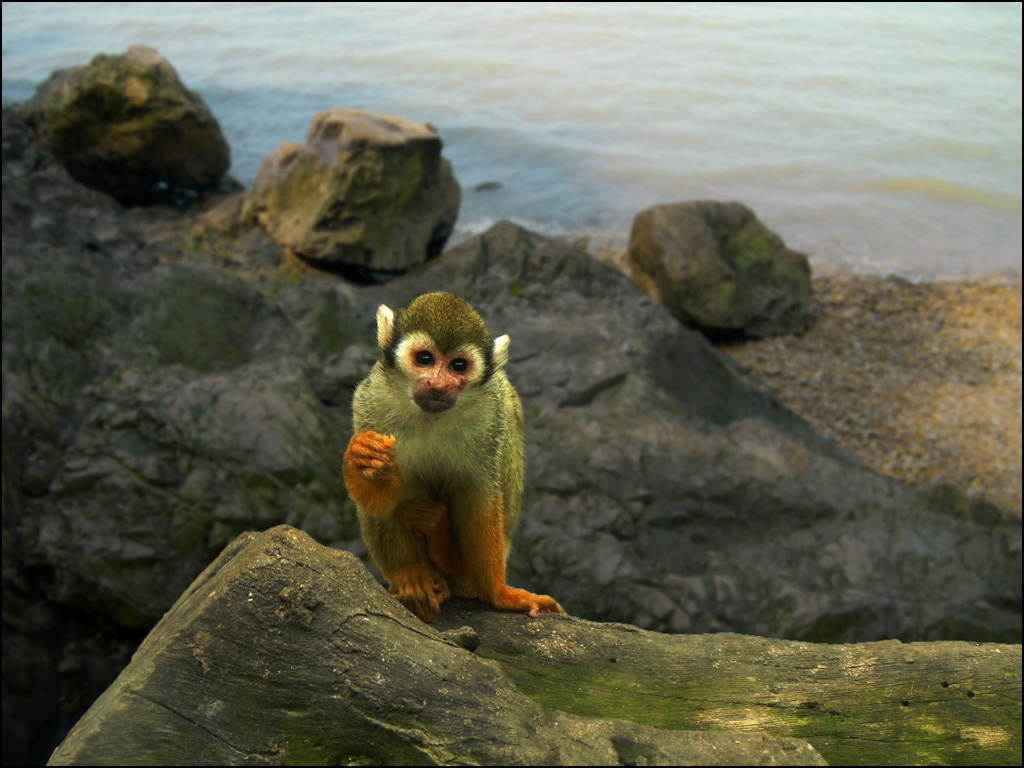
{"x": 285, "y": 652}
{"x": 662, "y": 481}
{"x": 365, "y": 192}
{"x": 719, "y": 269}
{"x": 126, "y": 125}
{"x": 166, "y": 387}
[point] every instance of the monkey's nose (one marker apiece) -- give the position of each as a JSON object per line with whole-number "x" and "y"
{"x": 434, "y": 400}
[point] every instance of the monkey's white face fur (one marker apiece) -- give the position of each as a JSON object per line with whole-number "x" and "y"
{"x": 437, "y": 379}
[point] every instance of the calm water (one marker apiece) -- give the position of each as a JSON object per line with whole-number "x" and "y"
{"x": 873, "y": 136}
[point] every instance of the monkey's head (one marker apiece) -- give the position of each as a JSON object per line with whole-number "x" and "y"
{"x": 440, "y": 347}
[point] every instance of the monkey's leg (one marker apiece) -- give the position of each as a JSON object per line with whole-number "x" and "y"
{"x": 374, "y": 483}
{"x": 429, "y": 521}
{"x": 481, "y": 533}
{"x": 371, "y": 476}
{"x": 400, "y": 554}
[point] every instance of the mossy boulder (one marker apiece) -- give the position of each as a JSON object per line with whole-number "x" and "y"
{"x": 720, "y": 270}
{"x": 127, "y": 126}
{"x": 365, "y": 192}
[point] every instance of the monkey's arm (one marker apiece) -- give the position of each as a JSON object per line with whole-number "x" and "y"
{"x": 371, "y": 476}
{"x": 408, "y": 529}
{"x": 374, "y": 483}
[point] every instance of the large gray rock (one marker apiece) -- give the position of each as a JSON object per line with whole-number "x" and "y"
{"x": 719, "y": 269}
{"x": 368, "y": 192}
{"x": 126, "y": 125}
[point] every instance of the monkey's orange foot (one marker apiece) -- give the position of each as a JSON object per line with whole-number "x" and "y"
{"x": 420, "y": 589}
{"x": 371, "y": 454}
{"x": 512, "y": 599}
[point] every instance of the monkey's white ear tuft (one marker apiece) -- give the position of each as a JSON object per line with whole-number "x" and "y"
{"x": 501, "y": 351}
{"x": 385, "y": 326}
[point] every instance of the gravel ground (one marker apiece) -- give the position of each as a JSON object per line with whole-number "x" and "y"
{"x": 921, "y": 380}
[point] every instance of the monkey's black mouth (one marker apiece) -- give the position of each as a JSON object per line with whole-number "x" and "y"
{"x": 434, "y": 404}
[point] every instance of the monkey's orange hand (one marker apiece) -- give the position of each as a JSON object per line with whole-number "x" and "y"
{"x": 419, "y": 589}
{"x": 371, "y": 475}
{"x": 372, "y": 454}
{"x": 512, "y": 599}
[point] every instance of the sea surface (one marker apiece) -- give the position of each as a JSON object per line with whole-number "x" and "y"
{"x": 876, "y": 137}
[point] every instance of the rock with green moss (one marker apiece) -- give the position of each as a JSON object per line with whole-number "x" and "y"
{"x": 365, "y": 192}
{"x": 719, "y": 269}
{"x": 284, "y": 652}
{"x": 127, "y": 126}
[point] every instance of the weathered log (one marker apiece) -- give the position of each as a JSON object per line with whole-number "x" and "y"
{"x": 283, "y": 651}
{"x": 880, "y": 703}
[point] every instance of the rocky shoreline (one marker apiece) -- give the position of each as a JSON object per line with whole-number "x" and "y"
{"x": 174, "y": 378}
{"x": 921, "y": 380}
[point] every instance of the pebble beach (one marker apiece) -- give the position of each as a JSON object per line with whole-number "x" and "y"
{"x": 921, "y": 380}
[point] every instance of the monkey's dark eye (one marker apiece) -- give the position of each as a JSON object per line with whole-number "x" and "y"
{"x": 424, "y": 358}
{"x": 459, "y": 365}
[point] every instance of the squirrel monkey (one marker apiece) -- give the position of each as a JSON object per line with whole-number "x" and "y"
{"x": 436, "y": 463}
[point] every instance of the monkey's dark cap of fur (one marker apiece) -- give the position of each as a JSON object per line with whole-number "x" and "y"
{"x": 449, "y": 320}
